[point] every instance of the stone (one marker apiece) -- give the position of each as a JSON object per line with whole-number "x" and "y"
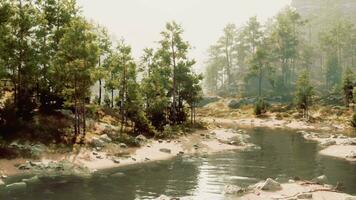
{"x": 327, "y": 143}
{"x": 95, "y": 153}
{"x": 305, "y": 196}
{"x": 99, "y": 157}
{"x": 116, "y": 160}
{"x": 233, "y": 189}
{"x": 15, "y": 187}
{"x": 118, "y": 174}
{"x": 31, "y": 181}
{"x": 320, "y": 179}
{"x": 351, "y": 155}
{"x": 160, "y": 141}
{"x": 147, "y": 159}
{"x": 105, "y": 138}
{"x": 97, "y": 142}
{"x": 123, "y": 145}
{"x": 270, "y": 185}
{"x": 26, "y": 166}
{"x": 141, "y": 138}
{"x": 165, "y": 150}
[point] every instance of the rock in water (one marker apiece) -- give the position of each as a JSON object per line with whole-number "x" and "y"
{"x": 31, "y": 181}
{"x": 233, "y": 189}
{"x": 270, "y": 185}
{"x": 352, "y": 155}
{"x": 164, "y": 150}
{"x": 15, "y": 187}
{"x": 321, "y": 179}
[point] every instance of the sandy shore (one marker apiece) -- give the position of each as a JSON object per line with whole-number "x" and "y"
{"x": 298, "y": 190}
{"x": 200, "y": 142}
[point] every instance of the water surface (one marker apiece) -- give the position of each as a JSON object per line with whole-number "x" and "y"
{"x": 283, "y": 154}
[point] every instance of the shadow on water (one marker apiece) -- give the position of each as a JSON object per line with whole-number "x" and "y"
{"x": 283, "y": 154}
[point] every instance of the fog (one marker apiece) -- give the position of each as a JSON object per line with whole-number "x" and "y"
{"x": 139, "y": 22}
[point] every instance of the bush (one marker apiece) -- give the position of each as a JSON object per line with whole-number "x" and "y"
{"x": 353, "y": 120}
{"x": 260, "y": 107}
{"x": 127, "y": 139}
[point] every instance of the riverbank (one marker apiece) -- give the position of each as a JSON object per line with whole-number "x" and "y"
{"x": 297, "y": 190}
{"x": 118, "y": 155}
{"x": 338, "y": 146}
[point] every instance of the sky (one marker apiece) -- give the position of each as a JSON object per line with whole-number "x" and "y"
{"x": 139, "y": 22}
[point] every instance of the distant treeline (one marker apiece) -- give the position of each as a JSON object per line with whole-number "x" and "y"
{"x": 268, "y": 59}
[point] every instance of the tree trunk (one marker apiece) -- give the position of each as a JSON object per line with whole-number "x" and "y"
{"x": 174, "y": 111}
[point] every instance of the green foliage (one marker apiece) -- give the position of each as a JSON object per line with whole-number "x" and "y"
{"x": 304, "y": 93}
{"x": 353, "y": 121}
{"x": 348, "y": 86}
{"x": 260, "y": 107}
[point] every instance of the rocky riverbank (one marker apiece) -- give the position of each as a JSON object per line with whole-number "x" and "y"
{"x": 105, "y": 154}
{"x": 338, "y": 146}
{"x": 272, "y": 190}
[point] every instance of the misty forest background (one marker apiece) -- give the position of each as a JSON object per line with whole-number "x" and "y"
{"x": 61, "y": 72}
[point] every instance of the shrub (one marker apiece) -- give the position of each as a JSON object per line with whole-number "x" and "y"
{"x": 260, "y": 107}
{"x": 353, "y": 121}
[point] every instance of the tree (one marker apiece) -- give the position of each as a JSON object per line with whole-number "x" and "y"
{"x": 285, "y": 37}
{"x": 75, "y": 61}
{"x": 348, "y": 87}
{"x": 173, "y": 53}
{"x": 130, "y": 100}
{"x": 104, "y": 44}
{"x": 53, "y": 17}
{"x": 260, "y": 63}
{"x": 304, "y": 93}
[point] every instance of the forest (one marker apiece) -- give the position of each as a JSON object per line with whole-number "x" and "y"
{"x": 285, "y": 60}
{"x": 52, "y": 58}
{"x": 268, "y": 113}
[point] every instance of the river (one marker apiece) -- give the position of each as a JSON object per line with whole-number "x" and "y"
{"x": 283, "y": 155}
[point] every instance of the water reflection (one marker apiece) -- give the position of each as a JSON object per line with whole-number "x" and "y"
{"x": 282, "y": 155}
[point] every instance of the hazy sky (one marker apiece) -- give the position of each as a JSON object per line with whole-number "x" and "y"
{"x": 139, "y": 22}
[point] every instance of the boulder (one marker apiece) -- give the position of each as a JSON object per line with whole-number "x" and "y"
{"x": 141, "y": 138}
{"x": 15, "y": 187}
{"x": 327, "y": 143}
{"x": 118, "y": 174}
{"x": 116, "y": 160}
{"x": 351, "y": 155}
{"x": 122, "y": 145}
{"x": 270, "y": 185}
{"x": 105, "y": 138}
{"x": 233, "y": 189}
{"x": 305, "y": 196}
{"x": 31, "y": 181}
{"x": 165, "y": 150}
{"x": 97, "y": 142}
{"x": 320, "y": 179}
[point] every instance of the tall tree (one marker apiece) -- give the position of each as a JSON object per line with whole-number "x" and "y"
{"x": 173, "y": 53}
{"x": 76, "y": 59}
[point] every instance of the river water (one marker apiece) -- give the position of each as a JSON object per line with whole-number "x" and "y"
{"x": 283, "y": 154}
